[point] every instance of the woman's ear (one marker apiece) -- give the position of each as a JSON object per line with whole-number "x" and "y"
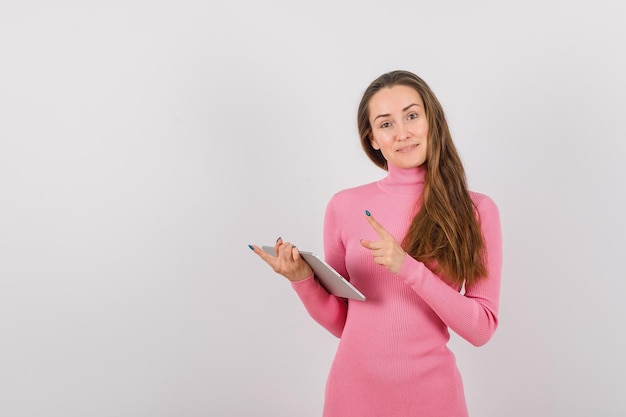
{"x": 373, "y": 142}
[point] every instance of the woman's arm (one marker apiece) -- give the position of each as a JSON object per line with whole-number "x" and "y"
{"x": 473, "y": 315}
{"x": 328, "y": 310}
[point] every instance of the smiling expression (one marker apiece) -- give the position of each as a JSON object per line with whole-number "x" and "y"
{"x": 399, "y": 126}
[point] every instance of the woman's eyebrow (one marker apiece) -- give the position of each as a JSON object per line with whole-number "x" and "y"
{"x": 409, "y": 106}
{"x": 403, "y": 110}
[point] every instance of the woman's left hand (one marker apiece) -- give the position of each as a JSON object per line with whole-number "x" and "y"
{"x": 386, "y": 251}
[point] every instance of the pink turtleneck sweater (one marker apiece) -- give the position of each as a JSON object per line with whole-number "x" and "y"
{"x": 392, "y": 358}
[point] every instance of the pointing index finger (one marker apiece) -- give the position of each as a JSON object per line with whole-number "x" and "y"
{"x": 377, "y": 227}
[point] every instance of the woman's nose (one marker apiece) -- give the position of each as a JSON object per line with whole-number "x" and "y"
{"x": 402, "y": 132}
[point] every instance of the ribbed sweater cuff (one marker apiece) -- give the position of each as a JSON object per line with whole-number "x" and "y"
{"x": 305, "y": 286}
{"x": 411, "y": 272}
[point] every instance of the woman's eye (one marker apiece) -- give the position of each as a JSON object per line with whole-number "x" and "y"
{"x": 412, "y": 116}
{"x": 385, "y": 125}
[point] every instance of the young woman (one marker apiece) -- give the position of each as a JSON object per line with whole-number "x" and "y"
{"x": 424, "y": 250}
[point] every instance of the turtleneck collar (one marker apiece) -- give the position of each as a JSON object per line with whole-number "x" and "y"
{"x": 405, "y": 181}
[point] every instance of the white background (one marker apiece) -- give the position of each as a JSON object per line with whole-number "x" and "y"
{"x": 144, "y": 144}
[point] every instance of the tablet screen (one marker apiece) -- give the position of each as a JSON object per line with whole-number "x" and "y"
{"x": 328, "y": 278}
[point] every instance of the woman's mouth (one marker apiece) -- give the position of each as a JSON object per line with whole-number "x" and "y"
{"x": 407, "y": 149}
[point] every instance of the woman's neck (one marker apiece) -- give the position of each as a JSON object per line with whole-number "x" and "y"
{"x": 406, "y": 181}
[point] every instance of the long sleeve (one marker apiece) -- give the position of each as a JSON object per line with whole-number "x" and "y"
{"x": 326, "y": 309}
{"x": 473, "y": 315}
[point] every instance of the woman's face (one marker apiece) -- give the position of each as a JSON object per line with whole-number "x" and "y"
{"x": 399, "y": 126}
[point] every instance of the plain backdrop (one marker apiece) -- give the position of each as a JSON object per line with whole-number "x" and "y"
{"x": 144, "y": 144}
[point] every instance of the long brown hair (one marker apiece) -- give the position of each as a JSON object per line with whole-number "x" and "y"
{"x": 445, "y": 233}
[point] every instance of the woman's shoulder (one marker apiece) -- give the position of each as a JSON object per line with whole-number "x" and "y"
{"x": 483, "y": 203}
{"x": 355, "y": 192}
{"x": 349, "y": 197}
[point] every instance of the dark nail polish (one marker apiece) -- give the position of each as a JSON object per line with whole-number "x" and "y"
{"x": 367, "y": 213}
{"x": 278, "y": 239}
{"x": 250, "y": 246}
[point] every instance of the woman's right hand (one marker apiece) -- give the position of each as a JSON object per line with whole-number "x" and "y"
{"x": 287, "y": 261}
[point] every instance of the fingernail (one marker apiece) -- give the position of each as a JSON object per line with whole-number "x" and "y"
{"x": 278, "y": 239}
{"x": 250, "y": 246}
{"x": 367, "y": 213}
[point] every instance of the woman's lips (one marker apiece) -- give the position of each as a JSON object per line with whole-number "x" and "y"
{"x": 407, "y": 148}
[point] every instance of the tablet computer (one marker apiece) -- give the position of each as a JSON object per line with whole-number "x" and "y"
{"x": 328, "y": 278}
